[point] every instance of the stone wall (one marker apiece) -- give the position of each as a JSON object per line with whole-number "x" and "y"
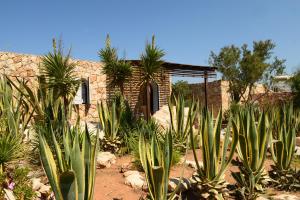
{"x": 26, "y": 66}
{"x": 134, "y": 91}
{"x": 219, "y": 97}
{"x": 215, "y": 93}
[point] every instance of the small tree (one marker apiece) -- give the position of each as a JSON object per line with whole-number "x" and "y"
{"x": 295, "y": 84}
{"x": 181, "y": 88}
{"x": 242, "y": 67}
{"x": 151, "y": 62}
{"x": 119, "y": 71}
{"x": 59, "y": 73}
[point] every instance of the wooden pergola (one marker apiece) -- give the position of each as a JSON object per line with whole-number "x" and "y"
{"x": 186, "y": 70}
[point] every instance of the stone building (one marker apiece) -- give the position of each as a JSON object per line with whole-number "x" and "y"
{"x": 219, "y": 97}
{"x": 94, "y": 87}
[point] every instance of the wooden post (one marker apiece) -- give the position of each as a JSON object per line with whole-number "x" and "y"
{"x": 148, "y": 90}
{"x": 205, "y": 88}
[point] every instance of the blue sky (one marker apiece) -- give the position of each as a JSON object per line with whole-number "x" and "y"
{"x": 186, "y": 30}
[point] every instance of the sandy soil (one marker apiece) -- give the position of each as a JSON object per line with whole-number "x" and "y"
{"x": 110, "y": 181}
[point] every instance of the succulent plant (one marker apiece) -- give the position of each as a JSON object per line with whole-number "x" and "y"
{"x": 109, "y": 117}
{"x": 70, "y": 170}
{"x": 252, "y": 150}
{"x": 180, "y": 123}
{"x": 209, "y": 179}
{"x": 284, "y": 121}
{"x": 156, "y": 160}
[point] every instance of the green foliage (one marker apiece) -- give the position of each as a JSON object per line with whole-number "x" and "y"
{"x": 151, "y": 62}
{"x": 156, "y": 160}
{"x": 10, "y": 148}
{"x": 148, "y": 129}
{"x": 283, "y": 142}
{"x": 60, "y": 74}
{"x": 181, "y": 88}
{"x": 243, "y": 67}
{"x": 22, "y": 184}
{"x": 14, "y": 118}
{"x": 109, "y": 117}
{"x": 295, "y": 84}
{"x": 283, "y": 137}
{"x": 118, "y": 71}
{"x": 180, "y": 123}
{"x": 209, "y": 180}
{"x": 72, "y": 174}
{"x": 252, "y": 150}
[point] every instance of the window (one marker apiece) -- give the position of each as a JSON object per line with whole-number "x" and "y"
{"x": 83, "y": 94}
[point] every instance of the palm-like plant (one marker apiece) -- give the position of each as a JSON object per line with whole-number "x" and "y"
{"x": 60, "y": 74}
{"x": 118, "y": 71}
{"x": 151, "y": 62}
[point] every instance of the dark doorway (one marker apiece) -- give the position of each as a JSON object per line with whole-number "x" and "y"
{"x": 154, "y": 98}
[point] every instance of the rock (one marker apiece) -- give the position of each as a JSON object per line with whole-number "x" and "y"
{"x": 35, "y": 174}
{"x": 134, "y": 179}
{"x": 261, "y": 198}
{"x": 298, "y": 141}
{"x": 9, "y": 195}
{"x": 297, "y": 151}
{"x": 45, "y": 189}
{"x": 105, "y": 159}
{"x": 131, "y": 172}
{"x": 286, "y": 197}
{"x": 127, "y": 167}
{"x": 36, "y": 184}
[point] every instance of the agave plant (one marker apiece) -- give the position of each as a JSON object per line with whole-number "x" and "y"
{"x": 180, "y": 122}
{"x": 109, "y": 117}
{"x": 14, "y": 110}
{"x": 14, "y": 118}
{"x": 252, "y": 151}
{"x": 284, "y": 121}
{"x": 156, "y": 160}
{"x": 72, "y": 174}
{"x": 209, "y": 180}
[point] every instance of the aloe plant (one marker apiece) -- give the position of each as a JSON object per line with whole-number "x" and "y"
{"x": 252, "y": 150}
{"x": 72, "y": 174}
{"x": 210, "y": 176}
{"x": 109, "y": 117}
{"x": 156, "y": 160}
{"x": 14, "y": 118}
{"x": 284, "y": 137}
{"x": 180, "y": 122}
{"x": 283, "y": 142}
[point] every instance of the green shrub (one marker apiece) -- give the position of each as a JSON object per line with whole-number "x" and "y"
{"x": 22, "y": 187}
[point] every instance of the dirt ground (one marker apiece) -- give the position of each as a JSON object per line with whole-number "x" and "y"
{"x": 110, "y": 181}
